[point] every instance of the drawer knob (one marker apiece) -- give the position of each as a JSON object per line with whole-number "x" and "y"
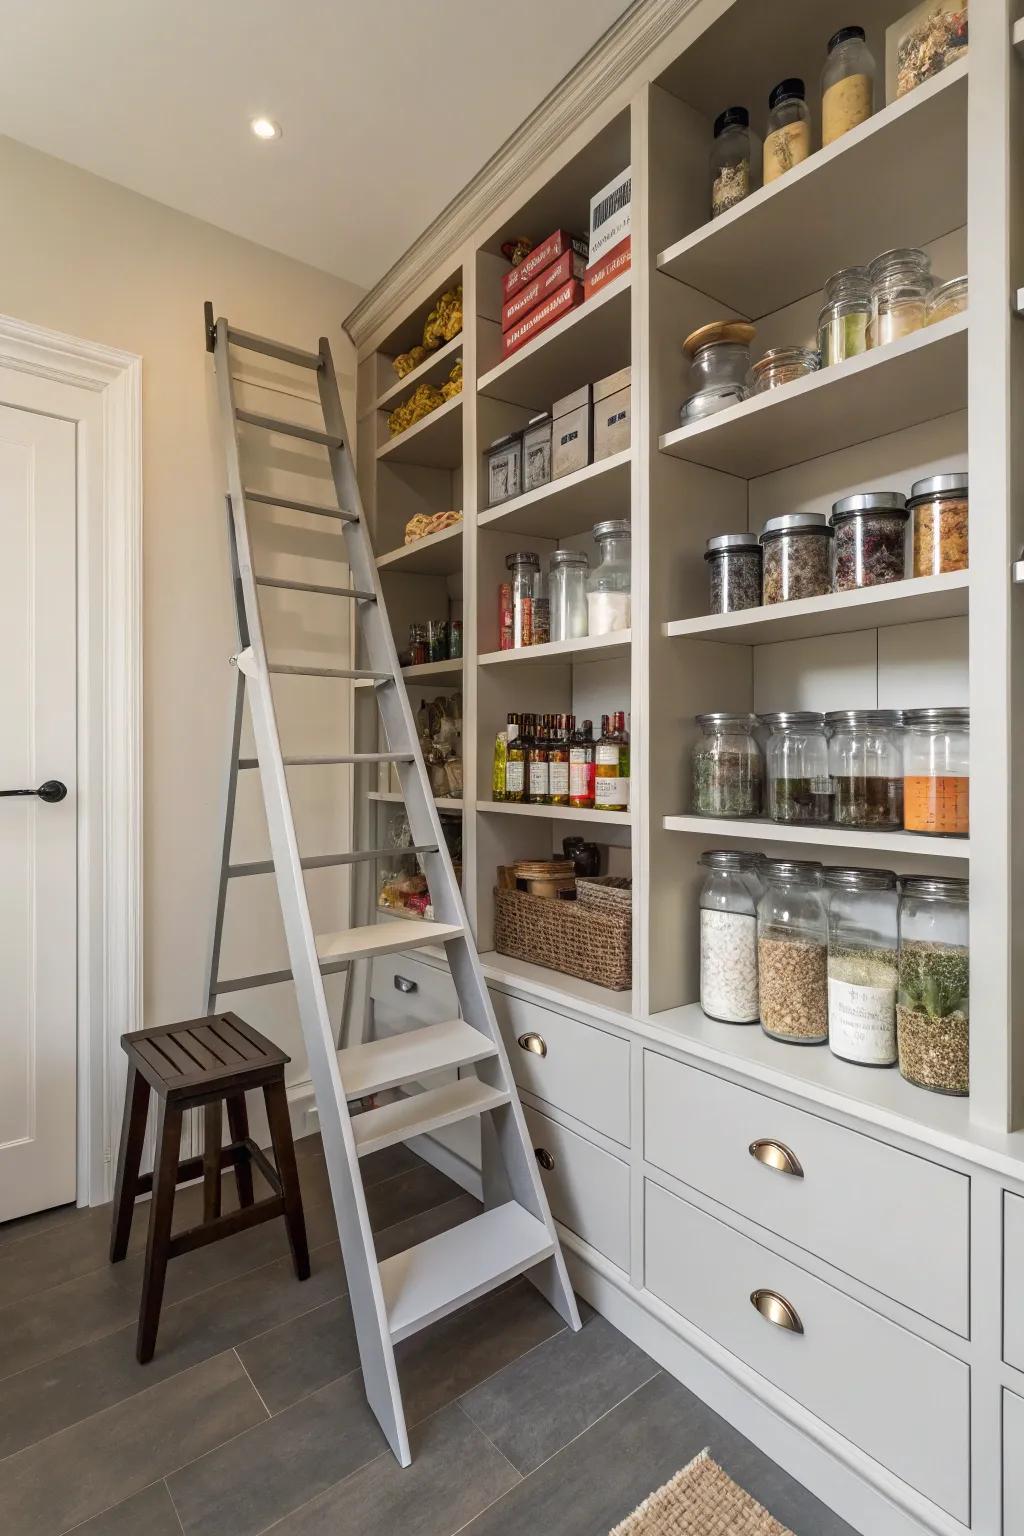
{"x": 776, "y": 1309}
{"x": 403, "y": 984}
{"x": 544, "y": 1157}
{"x": 775, "y": 1154}
{"x": 535, "y": 1044}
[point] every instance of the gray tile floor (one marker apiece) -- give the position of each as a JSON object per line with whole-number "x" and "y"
{"x": 251, "y": 1417}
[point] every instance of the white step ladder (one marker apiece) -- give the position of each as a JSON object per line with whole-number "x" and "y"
{"x": 515, "y": 1234}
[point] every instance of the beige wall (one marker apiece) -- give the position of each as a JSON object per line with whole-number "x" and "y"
{"x": 84, "y": 256}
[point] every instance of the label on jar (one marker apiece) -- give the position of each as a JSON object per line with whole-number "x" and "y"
{"x": 539, "y": 780}
{"x": 612, "y": 794}
{"x": 580, "y": 769}
{"x": 862, "y": 1022}
{"x": 514, "y": 777}
{"x": 558, "y": 778}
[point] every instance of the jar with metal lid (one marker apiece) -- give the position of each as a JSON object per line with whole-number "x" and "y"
{"x": 945, "y": 301}
{"x": 847, "y": 84}
{"x": 865, "y": 764}
{"x": 939, "y": 508}
{"x": 567, "y": 583}
{"x": 933, "y": 999}
{"x": 797, "y": 557}
{"x": 728, "y": 938}
{"x": 870, "y": 546}
{"x": 901, "y": 280}
{"x": 787, "y": 140}
{"x": 936, "y": 771}
{"x": 796, "y": 758}
{"x": 843, "y": 322}
{"x": 734, "y": 571}
{"x": 862, "y": 965}
{"x": 728, "y": 768}
{"x": 781, "y": 365}
{"x": 792, "y": 953}
{"x": 733, "y": 167}
{"x": 609, "y": 582}
{"x": 524, "y": 567}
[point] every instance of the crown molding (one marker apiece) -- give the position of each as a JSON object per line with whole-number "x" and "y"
{"x": 612, "y": 60}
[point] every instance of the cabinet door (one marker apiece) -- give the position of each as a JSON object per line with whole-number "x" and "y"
{"x": 1013, "y": 1281}
{"x": 1013, "y": 1464}
{"x": 408, "y": 993}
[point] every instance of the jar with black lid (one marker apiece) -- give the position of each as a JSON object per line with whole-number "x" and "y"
{"x": 870, "y": 546}
{"x": 788, "y": 138}
{"x": 797, "y": 557}
{"x": 862, "y": 965}
{"x": 734, "y": 172}
{"x": 865, "y": 763}
{"x": 847, "y": 84}
{"x": 734, "y": 572}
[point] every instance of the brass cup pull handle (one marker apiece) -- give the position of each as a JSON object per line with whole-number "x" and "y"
{"x": 775, "y": 1154}
{"x": 535, "y": 1044}
{"x": 544, "y": 1157}
{"x": 776, "y": 1309}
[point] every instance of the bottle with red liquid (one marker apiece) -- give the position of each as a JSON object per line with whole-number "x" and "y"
{"x": 581, "y": 767}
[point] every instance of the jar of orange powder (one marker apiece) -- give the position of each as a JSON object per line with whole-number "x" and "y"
{"x": 936, "y": 771}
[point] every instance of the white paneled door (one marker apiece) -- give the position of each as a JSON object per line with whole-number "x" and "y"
{"x": 38, "y": 834}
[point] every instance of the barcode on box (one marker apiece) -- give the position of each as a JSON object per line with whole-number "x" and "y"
{"x": 610, "y": 215}
{"x": 611, "y": 204}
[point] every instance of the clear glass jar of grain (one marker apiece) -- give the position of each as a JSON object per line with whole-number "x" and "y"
{"x": 792, "y": 953}
{"x": 933, "y": 1000}
{"x": 847, "y": 84}
{"x": 862, "y": 965}
{"x": 901, "y": 281}
{"x": 734, "y": 171}
{"x": 728, "y": 937}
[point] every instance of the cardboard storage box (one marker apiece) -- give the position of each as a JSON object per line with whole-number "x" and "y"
{"x": 611, "y": 215}
{"x": 540, "y": 257}
{"x": 611, "y": 265}
{"x": 571, "y": 438}
{"x": 561, "y": 301}
{"x": 612, "y": 414}
{"x": 568, "y": 265}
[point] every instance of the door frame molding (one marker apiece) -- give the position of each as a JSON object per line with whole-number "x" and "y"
{"x": 100, "y": 389}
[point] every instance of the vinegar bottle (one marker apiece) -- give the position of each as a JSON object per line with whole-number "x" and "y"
{"x": 609, "y": 785}
{"x": 581, "y": 768}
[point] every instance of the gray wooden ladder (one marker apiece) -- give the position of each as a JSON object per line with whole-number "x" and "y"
{"x": 515, "y": 1233}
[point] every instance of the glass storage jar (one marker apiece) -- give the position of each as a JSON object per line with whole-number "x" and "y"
{"x": 870, "y": 546}
{"x": 524, "y": 567}
{"x": 707, "y": 401}
{"x": 781, "y": 365}
{"x": 787, "y": 139}
{"x": 733, "y": 168}
{"x": 901, "y": 280}
{"x": 843, "y": 322}
{"x": 865, "y": 764}
{"x": 945, "y": 301}
{"x": 847, "y": 84}
{"x": 933, "y": 1000}
{"x": 797, "y": 550}
{"x": 719, "y": 353}
{"x": 862, "y": 965}
{"x": 728, "y": 938}
{"x": 936, "y": 771}
{"x": 939, "y": 508}
{"x": 792, "y": 953}
{"x": 727, "y": 765}
{"x": 734, "y": 572}
{"x": 608, "y": 585}
{"x": 931, "y": 37}
{"x": 796, "y": 761}
{"x": 567, "y": 583}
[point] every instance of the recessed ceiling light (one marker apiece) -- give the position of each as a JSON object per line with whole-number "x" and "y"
{"x": 265, "y": 128}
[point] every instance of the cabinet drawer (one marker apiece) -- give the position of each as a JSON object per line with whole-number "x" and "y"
{"x": 407, "y": 993}
{"x": 1013, "y": 1464}
{"x": 1013, "y": 1281}
{"x": 582, "y": 1070}
{"x": 895, "y": 1221}
{"x": 901, "y": 1400}
{"x": 587, "y": 1188}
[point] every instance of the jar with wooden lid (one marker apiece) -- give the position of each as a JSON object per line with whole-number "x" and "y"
{"x": 939, "y": 508}
{"x": 869, "y": 548}
{"x": 734, "y": 572}
{"x": 728, "y": 938}
{"x": 933, "y": 997}
{"x": 936, "y": 771}
{"x": 792, "y": 953}
{"x": 719, "y": 361}
{"x": 847, "y": 84}
{"x": 901, "y": 281}
{"x": 797, "y": 551}
{"x": 781, "y": 365}
{"x": 843, "y": 321}
{"x": 862, "y": 965}
{"x": 787, "y": 140}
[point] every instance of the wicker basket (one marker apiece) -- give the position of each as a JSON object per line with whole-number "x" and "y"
{"x": 593, "y": 943}
{"x": 606, "y": 893}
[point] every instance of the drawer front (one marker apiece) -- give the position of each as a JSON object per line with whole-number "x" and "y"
{"x": 1013, "y": 1281}
{"x": 1013, "y": 1464}
{"x": 901, "y": 1400}
{"x": 407, "y": 993}
{"x": 582, "y": 1070}
{"x": 587, "y": 1188}
{"x": 895, "y": 1221}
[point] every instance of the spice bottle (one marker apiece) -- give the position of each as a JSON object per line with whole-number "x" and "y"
{"x": 581, "y": 767}
{"x": 847, "y": 84}
{"x": 843, "y": 322}
{"x": 611, "y": 790}
{"x": 799, "y": 786}
{"x": 732, "y": 163}
{"x": 862, "y": 965}
{"x": 728, "y": 938}
{"x": 936, "y": 772}
{"x": 792, "y": 953}
{"x": 933, "y": 1001}
{"x": 900, "y": 283}
{"x": 865, "y": 763}
{"x": 788, "y": 138}
{"x": 558, "y": 762}
{"x": 939, "y": 508}
{"x": 608, "y": 586}
{"x": 727, "y": 766}
{"x": 869, "y": 547}
{"x": 515, "y": 765}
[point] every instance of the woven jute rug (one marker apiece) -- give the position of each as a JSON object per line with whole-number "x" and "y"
{"x": 701, "y": 1500}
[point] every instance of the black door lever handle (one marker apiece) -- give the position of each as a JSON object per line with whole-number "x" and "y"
{"x": 52, "y": 791}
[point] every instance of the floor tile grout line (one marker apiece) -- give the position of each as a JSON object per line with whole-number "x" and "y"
{"x": 658, "y": 1371}
{"x": 252, "y": 1384}
{"x": 71, "y": 1529}
{"x": 457, "y": 1404}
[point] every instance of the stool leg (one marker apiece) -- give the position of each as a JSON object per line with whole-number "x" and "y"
{"x": 238, "y": 1125}
{"x": 211, "y": 1160}
{"x": 284, "y": 1156}
{"x": 129, "y": 1157}
{"x": 165, "y": 1178}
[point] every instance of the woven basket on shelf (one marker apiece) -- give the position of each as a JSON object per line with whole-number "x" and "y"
{"x": 573, "y": 937}
{"x": 605, "y": 893}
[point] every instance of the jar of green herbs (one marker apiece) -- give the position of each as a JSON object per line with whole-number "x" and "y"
{"x": 933, "y": 999}
{"x": 727, "y": 766}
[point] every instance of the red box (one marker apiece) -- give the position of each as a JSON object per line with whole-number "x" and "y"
{"x": 611, "y": 265}
{"x": 568, "y": 265}
{"x": 560, "y": 302}
{"x": 540, "y": 257}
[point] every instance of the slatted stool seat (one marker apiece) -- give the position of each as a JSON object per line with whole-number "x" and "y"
{"x": 202, "y": 1063}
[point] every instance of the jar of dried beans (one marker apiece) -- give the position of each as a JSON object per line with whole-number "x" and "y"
{"x": 727, "y": 765}
{"x": 843, "y": 322}
{"x": 936, "y": 771}
{"x": 734, "y": 572}
{"x": 900, "y": 283}
{"x": 862, "y": 965}
{"x": 939, "y": 508}
{"x": 933, "y": 998}
{"x": 870, "y": 540}
{"x": 733, "y": 169}
{"x": 799, "y": 785}
{"x": 792, "y": 953}
{"x": 797, "y": 550}
{"x": 728, "y": 938}
{"x": 847, "y": 84}
{"x": 865, "y": 764}
{"x": 788, "y": 138}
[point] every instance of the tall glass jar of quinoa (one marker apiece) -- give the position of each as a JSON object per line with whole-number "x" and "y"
{"x": 728, "y": 768}
{"x": 870, "y": 540}
{"x": 792, "y": 953}
{"x": 797, "y": 557}
{"x": 939, "y": 508}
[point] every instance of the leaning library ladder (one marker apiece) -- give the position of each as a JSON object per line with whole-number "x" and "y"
{"x": 515, "y": 1233}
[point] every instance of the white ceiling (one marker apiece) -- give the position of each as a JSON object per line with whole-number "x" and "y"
{"x": 387, "y": 109}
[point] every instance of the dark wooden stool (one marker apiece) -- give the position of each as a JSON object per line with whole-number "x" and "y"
{"x": 201, "y": 1062}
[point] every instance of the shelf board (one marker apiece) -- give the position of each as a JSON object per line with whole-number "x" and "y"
{"x": 901, "y": 602}
{"x": 553, "y": 987}
{"x": 555, "y": 813}
{"x": 434, "y": 443}
{"x": 590, "y": 648}
{"x": 912, "y": 380}
{"x": 588, "y": 343}
{"x": 925, "y": 133}
{"x": 392, "y": 797}
{"x": 434, "y": 672}
{"x": 439, "y": 554}
{"x": 760, "y": 829}
{"x": 570, "y": 505}
{"x": 437, "y": 366}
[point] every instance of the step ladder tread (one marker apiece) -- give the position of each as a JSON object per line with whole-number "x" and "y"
{"x": 280, "y": 584}
{"x": 289, "y": 428}
{"x": 418, "y": 1113}
{"x": 404, "y": 1057}
{"x": 352, "y": 758}
{"x": 266, "y": 499}
{"x": 384, "y": 938}
{"x": 429, "y": 1281}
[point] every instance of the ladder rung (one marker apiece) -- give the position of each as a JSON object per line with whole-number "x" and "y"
{"x": 419, "y": 1113}
{"x": 328, "y": 860}
{"x": 353, "y": 672}
{"x": 266, "y": 500}
{"x": 271, "y": 978}
{"x": 278, "y": 349}
{"x": 405, "y": 1057}
{"x": 356, "y": 758}
{"x": 290, "y": 429}
{"x": 312, "y": 586}
{"x": 387, "y": 938}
